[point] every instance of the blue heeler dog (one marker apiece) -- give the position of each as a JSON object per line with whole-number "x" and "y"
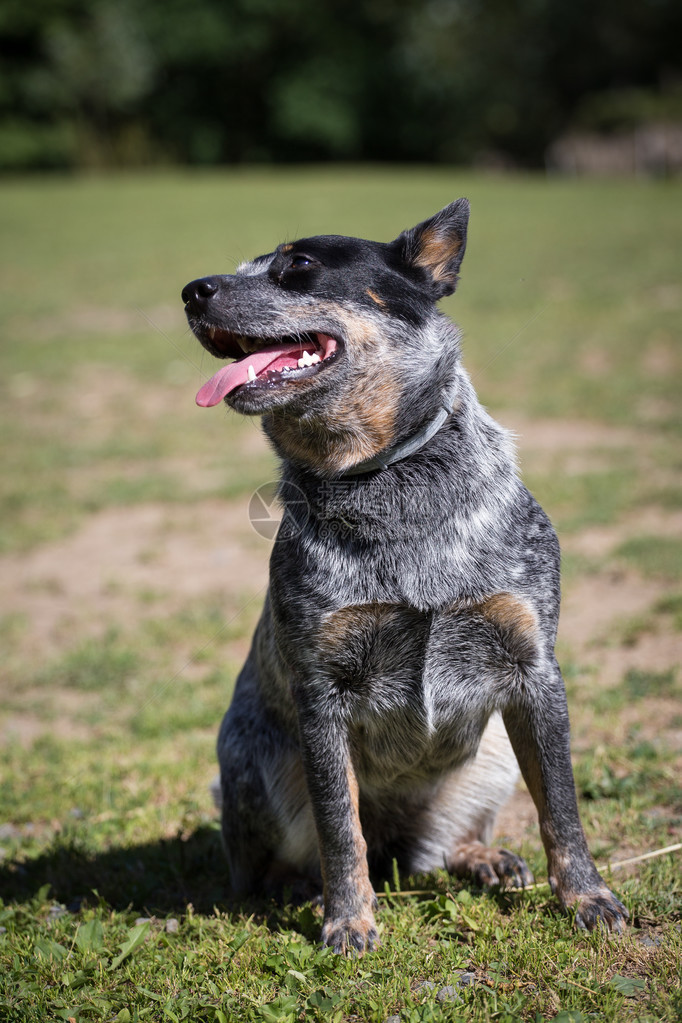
{"x": 404, "y": 661}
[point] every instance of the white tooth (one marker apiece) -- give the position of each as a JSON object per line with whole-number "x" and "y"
{"x": 314, "y": 358}
{"x": 243, "y": 344}
{"x": 302, "y": 363}
{"x": 211, "y": 332}
{"x": 251, "y": 373}
{"x": 308, "y": 358}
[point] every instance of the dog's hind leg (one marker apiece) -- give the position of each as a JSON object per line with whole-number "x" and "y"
{"x": 459, "y": 822}
{"x": 268, "y": 830}
{"x": 489, "y": 867}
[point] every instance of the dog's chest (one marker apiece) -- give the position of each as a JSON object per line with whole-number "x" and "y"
{"x": 415, "y": 687}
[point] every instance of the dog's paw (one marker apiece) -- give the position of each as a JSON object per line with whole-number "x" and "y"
{"x": 349, "y": 937}
{"x": 600, "y": 909}
{"x": 490, "y": 868}
{"x": 584, "y": 893}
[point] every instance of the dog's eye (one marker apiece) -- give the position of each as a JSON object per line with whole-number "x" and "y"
{"x": 300, "y": 262}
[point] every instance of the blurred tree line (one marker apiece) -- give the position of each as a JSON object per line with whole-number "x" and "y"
{"x": 118, "y": 82}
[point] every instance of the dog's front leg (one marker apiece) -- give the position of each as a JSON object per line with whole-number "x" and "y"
{"x": 349, "y": 899}
{"x": 537, "y": 724}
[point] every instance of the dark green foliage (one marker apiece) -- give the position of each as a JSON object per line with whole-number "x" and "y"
{"x": 118, "y": 83}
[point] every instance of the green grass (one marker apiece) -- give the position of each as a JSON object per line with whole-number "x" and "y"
{"x": 654, "y": 556}
{"x": 671, "y": 605}
{"x": 85, "y": 954}
{"x": 637, "y": 685}
{"x": 569, "y": 305}
{"x": 96, "y": 664}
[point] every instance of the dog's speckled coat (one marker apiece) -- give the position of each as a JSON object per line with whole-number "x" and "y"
{"x": 404, "y": 661}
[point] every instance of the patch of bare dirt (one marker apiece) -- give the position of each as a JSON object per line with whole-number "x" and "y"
{"x": 596, "y": 362}
{"x": 101, "y": 574}
{"x": 660, "y": 358}
{"x": 658, "y": 652}
{"x": 554, "y": 435}
{"x": 600, "y": 541}
{"x": 24, "y": 727}
{"x": 651, "y": 718}
{"x": 575, "y": 447}
{"x": 594, "y": 604}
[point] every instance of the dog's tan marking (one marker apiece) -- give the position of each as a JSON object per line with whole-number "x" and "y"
{"x": 436, "y": 253}
{"x": 346, "y": 622}
{"x": 489, "y": 866}
{"x": 361, "y": 872}
{"x": 364, "y": 921}
{"x": 287, "y": 248}
{"x": 516, "y": 620}
{"x": 558, "y": 857}
{"x": 592, "y": 907}
{"x": 358, "y": 621}
{"x": 360, "y": 421}
{"x": 472, "y": 858}
{"x": 375, "y": 298}
{"x": 330, "y": 455}
{"x": 510, "y": 612}
{"x": 360, "y": 330}
{"x": 355, "y": 927}
{"x": 357, "y": 423}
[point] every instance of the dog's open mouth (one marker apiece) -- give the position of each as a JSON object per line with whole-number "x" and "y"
{"x": 261, "y": 363}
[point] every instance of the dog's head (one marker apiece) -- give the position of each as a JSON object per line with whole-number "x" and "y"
{"x": 336, "y": 341}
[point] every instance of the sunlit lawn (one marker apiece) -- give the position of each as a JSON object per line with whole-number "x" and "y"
{"x": 570, "y": 304}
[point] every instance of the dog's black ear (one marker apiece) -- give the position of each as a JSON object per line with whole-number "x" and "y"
{"x": 437, "y": 245}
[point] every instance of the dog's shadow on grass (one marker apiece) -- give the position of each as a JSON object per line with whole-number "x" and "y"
{"x": 158, "y": 878}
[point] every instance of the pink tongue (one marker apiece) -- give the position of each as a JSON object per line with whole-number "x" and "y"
{"x": 236, "y": 373}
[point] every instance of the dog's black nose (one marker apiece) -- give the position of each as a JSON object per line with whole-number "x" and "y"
{"x": 197, "y": 293}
